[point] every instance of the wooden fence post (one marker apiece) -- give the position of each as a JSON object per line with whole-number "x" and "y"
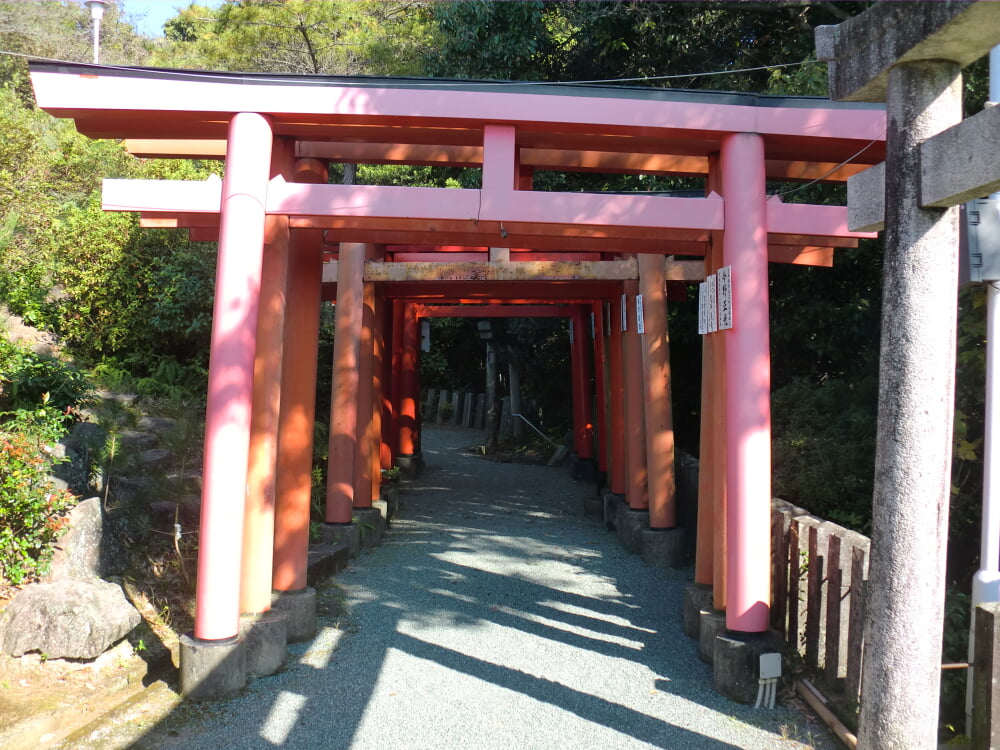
{"x": 986, "y": 677}
{"x": 856, "y": 625}
{"x": 831, "y": 660}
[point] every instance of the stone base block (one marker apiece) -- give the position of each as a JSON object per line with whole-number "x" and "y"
{"x": 593, "y": 506}
{"x": 326, "y": 560}
{"x": 388, "y": 504}
{"x": 300, "y": 611}
{"x": 711, "y": 623}
{"x": 371, "y": 526}
{"x": 697, "y": 597}
{"x": 737, "y": 663}
{"x": 410, "y": 466}
{"x": 584, "y": 469}
{"x": 266, "y": 638}
{"x": 630, "y": 524}
{"x": 347, "y": 534}
{"x": 612, "y": 501}
{"x": 212, "y": 670}
{"x": 664, "y": 548}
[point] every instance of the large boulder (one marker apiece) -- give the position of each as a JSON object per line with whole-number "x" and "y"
{"x": 67, "y": 619}
{"x": 78, "y": 552}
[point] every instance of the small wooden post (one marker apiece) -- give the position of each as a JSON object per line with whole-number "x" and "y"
{"x": 794, "y": 573}
{"x": 814, "y": 594}
{"x": 831, "y": 661}
{"x": 986, "y": 677}
{"x": 856, "y": 625}
{"x": 779, "y": 608}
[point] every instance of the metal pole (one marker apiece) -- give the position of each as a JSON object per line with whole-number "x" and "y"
{"x": 96, "y": 14}
{"x": 986, "y": 581}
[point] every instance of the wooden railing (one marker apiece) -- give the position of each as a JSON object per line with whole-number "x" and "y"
{"x": 820, "y": 571}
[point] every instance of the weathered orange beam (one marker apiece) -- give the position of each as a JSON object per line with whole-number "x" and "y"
{"x": 554, "y": 310}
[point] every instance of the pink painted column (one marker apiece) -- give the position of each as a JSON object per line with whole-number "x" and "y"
{"x": 298, "y": 397}
{"x": 636, "y": 484}
{"x": 344, "y": 400}
{"x": 600, "y": 387}
{"x": 748, "y": 386}
{"x": 583, "y": 428}
{"x": 366, "y": 439}
{"x": 409, "y": 394}
{"x": 258, "y": 521}
{"x": 655, "y": 343}
{"x": 230, "y": 376}
{"x": 617, "y": 427}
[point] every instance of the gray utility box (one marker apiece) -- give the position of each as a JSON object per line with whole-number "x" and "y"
{"x": 979, "y": 246}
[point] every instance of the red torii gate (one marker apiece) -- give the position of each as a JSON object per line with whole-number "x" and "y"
{"x": 275, "y": 211}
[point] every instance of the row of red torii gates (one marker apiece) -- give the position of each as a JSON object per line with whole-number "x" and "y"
{"x": 390, "y": 255}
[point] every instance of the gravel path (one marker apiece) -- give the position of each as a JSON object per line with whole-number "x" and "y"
{"x": 494, "y": 616}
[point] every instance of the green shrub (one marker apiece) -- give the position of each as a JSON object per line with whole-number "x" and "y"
{"x": 31, "y": 509}
{"x": 27, "y": 379}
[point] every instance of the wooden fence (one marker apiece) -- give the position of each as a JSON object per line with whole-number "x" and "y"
{"x": 820, "y": 571}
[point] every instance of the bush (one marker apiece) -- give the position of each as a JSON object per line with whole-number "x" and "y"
{"x": 31, "y": 509}
{"x": 28, "y": 379}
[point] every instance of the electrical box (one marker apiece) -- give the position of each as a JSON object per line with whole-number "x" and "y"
{"x": 979, "y": 243}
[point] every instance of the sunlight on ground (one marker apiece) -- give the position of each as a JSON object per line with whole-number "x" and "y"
{"x": 282, "y": 717}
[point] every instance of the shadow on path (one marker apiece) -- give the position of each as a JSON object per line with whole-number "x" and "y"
{"x": 495, "y": 616}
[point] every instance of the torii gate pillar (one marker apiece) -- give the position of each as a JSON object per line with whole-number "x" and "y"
{"x": 748, "y": 386}
{"x": 213, "y": 661}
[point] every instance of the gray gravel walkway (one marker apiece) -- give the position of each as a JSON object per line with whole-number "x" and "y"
{"x": 494, "y": 616}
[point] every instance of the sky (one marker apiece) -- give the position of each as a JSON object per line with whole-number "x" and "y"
{"x": 151, "y": 14}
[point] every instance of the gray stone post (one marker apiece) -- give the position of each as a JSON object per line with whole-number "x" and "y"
{"x": 902, "y": 665}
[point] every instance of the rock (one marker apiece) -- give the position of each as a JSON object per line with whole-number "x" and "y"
{"x": 188, "y": 481}
{"x": 130, "y": 489}
{"x": 162, "y": 514}
{"x": 161, "y": 426}
{"x": 67, "y": 619}
{"x": 154, "y": 458}
{"x": 78, "y": 553}
{"x": 135, "y": 440}
{"x": 126, "y": 399}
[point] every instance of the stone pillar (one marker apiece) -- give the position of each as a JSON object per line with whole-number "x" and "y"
{"x": 916, "y": 401}
{"x": 748, "y": 381}
{"x": 344, "y": 397}
{"x": 456, "y": 408}
{"x": 467, "y": 409}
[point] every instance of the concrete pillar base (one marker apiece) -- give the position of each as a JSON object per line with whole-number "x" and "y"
{"x": 371, "y": 526}
{"x": 266, "y": 638}
{"x": 212, "y": 670}
{"x": 410, "y": 466}
{"x": 347, "y": 534}
{"x": 584, "y": 469}
{"x": 697, "y": 596}
{"x": 630, "y": 524}
{"x": 612, "y": 501}
{"x": 325, "y": 561}
{"x": 388, "y": 504}
{"x": 664, "y": 548}
{"x": 711, "y": 623}
{"x": 736, "y": 667}
{"x": 300, "y": 612}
